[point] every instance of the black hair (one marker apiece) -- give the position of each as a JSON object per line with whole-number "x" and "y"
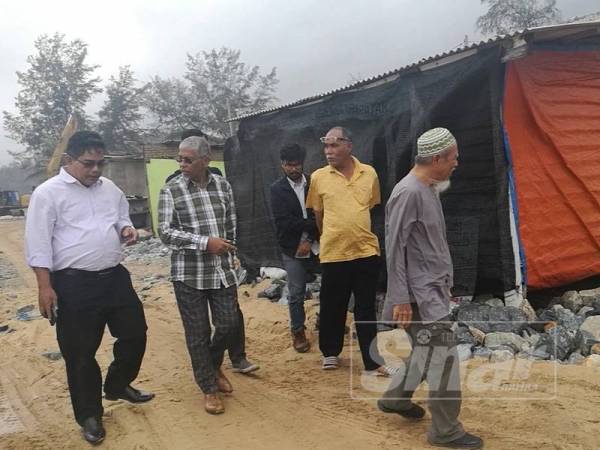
{"x": 83, "y": 141}
{"x": 192, "y": 132}
{"x": 292, "y": 152}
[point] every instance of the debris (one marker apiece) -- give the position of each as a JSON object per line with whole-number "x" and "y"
{"x": 28, "y": 313}
{"x": 274, "y": 273}
{"x": 52, "y": 356}
{"x": 273, "y": 292}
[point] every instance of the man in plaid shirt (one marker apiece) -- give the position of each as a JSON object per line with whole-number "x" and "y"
{"x": 196, "y": 215}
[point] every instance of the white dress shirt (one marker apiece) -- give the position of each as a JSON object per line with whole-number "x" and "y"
{"x": 73, "y": 226}
{"x": 299, "y": 188}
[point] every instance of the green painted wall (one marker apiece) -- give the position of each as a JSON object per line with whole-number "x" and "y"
{"x": 157, "y": 171}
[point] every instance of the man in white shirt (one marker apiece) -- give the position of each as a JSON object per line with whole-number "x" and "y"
{"x": 76, "y": 223}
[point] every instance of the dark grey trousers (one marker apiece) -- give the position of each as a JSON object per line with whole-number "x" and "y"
{"x": 433, "y": 358}
{"x": 207, "y": 352}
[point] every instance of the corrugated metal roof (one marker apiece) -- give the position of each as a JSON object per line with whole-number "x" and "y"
{"x": 508, "y": 39}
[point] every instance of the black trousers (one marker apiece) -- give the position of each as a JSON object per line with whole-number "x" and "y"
{"x": 87, "y": 302}
{"x": 339, "y": 279}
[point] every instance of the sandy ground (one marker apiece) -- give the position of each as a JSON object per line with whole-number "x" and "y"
{"x": 289, "y": 404}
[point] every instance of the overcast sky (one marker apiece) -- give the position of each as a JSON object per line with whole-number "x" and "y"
{"x": 316, "y": 45}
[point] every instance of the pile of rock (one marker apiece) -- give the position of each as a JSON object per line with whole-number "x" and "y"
{"x": 278, "y": 291}
{"x": 568, "y": 330}
{"x": 147, "y": 251}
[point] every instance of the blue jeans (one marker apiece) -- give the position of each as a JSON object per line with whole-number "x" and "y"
{"x": 296, "y": 269}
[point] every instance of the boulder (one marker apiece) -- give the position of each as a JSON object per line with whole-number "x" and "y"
{"x": 576, "y": 358}
{"x": 489, "y": 319}
{"x": 583, "y": 342}
{"x": 464, "y": 336}
{"x": 528, "y": 310}
{"x": 592, "y": 326}
{"x": 571, "y": 300}
{"x": 482, "y": 352}
{"x": 588, "y": 297}
{"x": 584, "y": 310}
{"x": 567, "y": 318}
{"x": 477, "y": 334}
{"x": 501, "y": 355}
{"x": 494, "y": 302}
{"x": 557, "y": 342}
{"x": 500, "y": 340}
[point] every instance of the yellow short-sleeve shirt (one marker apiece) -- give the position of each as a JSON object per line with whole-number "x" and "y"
{"x": 345, "y": 205}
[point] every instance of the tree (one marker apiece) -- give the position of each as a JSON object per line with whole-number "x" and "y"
{"x": 216, "y": 86}
{"x": 57, "y": 83}
{"x": 505, "y": 16}
{"x": 120, "y": 115}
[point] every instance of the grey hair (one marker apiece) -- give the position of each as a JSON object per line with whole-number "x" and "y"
{"x": 427, "y": 160}
{"x": 199, "y": 144}
{"x": 345, "y": 132}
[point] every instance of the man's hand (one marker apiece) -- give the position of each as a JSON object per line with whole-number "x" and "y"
{"x": 47, "y": 301}
{"x": 129, "y": 235}
{"x": 218, "y": 246}
{"x": 402, "y": 314}
{"x": 303, "y": 249}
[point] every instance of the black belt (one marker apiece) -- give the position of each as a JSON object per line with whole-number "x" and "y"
{"x": 86, "y": 273}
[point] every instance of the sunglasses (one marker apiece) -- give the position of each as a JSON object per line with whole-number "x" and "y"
{"x": 333, "y": 139}
{"x": 89, "y": 163}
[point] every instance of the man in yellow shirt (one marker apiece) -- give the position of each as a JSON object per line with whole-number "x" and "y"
{"x": 341, "y": 195}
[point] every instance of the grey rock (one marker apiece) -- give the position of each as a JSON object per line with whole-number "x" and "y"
{"x": 52, "y": 356}
{"x": 592, "y": 326}
{"x": 571, "y": 300}
{"x": 464, "y": 336}
{"x": 583, "y": 342}
{"x": 477, "y": 334}
{"x": 482, "y": 352}
{"x": 464, "y": 351}
{"x": 576, "y": 358}
{"x": 489, "y": 319}
{"x": 567, "y": 318}
{"x": 501, "y": 355}
{"x": 494, "y": 302}
{"x": 584, "y": 310}
{"x": 557, "y": 342}
{"x": 500, "y": 340}
{"x": 589, "y": 296}
{"x": 528, "y": 310}
{"x": 273, "y": 292}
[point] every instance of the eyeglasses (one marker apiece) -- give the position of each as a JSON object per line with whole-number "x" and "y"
{"x": 90, "y": 163}
{"x": 185, "y": 160}
{"x": 332, "y": 139}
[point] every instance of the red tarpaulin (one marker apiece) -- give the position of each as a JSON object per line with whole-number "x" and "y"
{"x": 552, "y": 119}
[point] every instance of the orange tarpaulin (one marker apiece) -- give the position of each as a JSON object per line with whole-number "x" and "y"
{"x": 552, "y": 120}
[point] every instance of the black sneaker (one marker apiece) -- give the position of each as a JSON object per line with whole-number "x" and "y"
{"x": 415, "y": 412}
{"x": 468, "y": 441}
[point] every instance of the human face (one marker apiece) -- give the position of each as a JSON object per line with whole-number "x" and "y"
{"x": 87, "y": 168}
{"x": 337, "y": 148}
{"x": 292, "y": 169}
{"x": 445, "y": 165}
{"x": 192, "y": 165}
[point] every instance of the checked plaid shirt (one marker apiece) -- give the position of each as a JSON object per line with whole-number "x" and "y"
{"x": 187, "y": 216}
